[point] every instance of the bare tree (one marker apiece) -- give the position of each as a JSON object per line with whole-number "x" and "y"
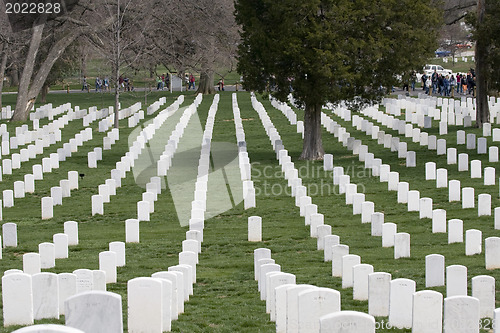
{"x": 122, "y": 43}
{"x": 69, "y": 27}
{"x": 199, "y": 35}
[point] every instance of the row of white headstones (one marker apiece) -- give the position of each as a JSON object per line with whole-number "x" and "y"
{"x": 441, "y": 177}
{"x": 476, "y": 281}
{"x": 52, "y": 162}
{"x": 84, "y": 278}
{"x": 187, "y": 265}
{"x": 424, "y": 205}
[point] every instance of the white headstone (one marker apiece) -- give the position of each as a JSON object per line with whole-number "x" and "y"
{"x": 60, "y": 241}
{"x": 451, "y": 156}
{"x": 328, "y": 242}
{"x": 468, "y": 199}
{"x": 413, "y": 201}
{"x": 463, "y": 162}
{"x": 9, "y": 234}
{"x": 483, "y": 288}
{"x": 377, "y": 222}
{"x": 8, "y": 198}
{"x": 338, "y": 251}
{"x": 31, "y": 263}
{"x": 473, "y": 242}
{"x": 360, "y": 281}
{"x": 348, "y": 262}
{"x": 379, "y": 286}
{"x": 492, "y": 252}
{"x": 177, "y": 294}
{"x": 430, "y": 171}
{"x": 403, "y": 188}
{"x": 47, "y": 253}
{"x": 489, "y": 176}
{"x": 401, "y": 303}
{"x": 17, "y": 299}
{"x": 456, "y": 280}
{"x": 427, "y": 312}
{"x": 347, "y": 322}
{"x": 254, "y": 229}
{"x": 143, "y": 211}
{"x": 313, "y": 304}
{"x": 132, "y": 230}
{"x": 97, "y": 204}
{"x": 493, "y": 154}
{"x": 260, "y": 253}
{"x": 461, "y": 314}
{"x": 425, "y": 207}
{"x": 292, "y": 312}
{"x": 67, "y": 288}
{"x": 108, "y": 264}
{"x": 145, "y": 305}
{"x": 442, "y": 178}
{"x": 45, "y": 296}
{"x": 119, "y": 249}
{"x": 84, "y": 280}
{"x": 454, "y": 190}
{"x": 389, "y": 230}
{"x": 475, "y": 169}
{"x": 401, "y": 245}
{"x": 434, "y": 270}
{"x": 96, "y": 311}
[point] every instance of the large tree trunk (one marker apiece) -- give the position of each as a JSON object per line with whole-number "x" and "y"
{"x": 312, "y": 146}
{"x": 483, "y": 112}
{"x": 44, "y": 92}
{"x": 24, "y": 101}
{"x": 3, "y": 65}
{"x": 206, "y": 85}
{"x": 27, "y": 93}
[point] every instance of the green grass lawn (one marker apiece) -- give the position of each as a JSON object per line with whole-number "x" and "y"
{"x": 225, "y": 296}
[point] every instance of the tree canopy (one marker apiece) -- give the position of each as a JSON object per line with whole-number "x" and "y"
{"x": 488, "y": 31}
{"x": 332, "y": 50}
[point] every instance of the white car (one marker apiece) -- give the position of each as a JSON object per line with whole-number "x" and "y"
{"x": 429, "y": 69}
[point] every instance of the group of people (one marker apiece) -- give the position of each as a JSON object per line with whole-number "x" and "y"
{"x": 445, "y": 84}
{"x": 162, "y": 82}
{"x": 103, "y": 84}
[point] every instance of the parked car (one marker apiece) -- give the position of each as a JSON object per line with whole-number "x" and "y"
{"x": 429, "y": 69}
{"x": 442, "y": 53}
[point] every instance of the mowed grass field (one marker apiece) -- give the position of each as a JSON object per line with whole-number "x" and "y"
{"x": 225, "y": 296}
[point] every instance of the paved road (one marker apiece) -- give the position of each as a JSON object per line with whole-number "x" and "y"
{"x": 92, "y": 91}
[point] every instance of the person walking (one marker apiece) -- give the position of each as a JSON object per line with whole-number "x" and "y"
{"x": 98, "y": 84}
{"x": 424, "y": 82}
{"x": 434, "y": 79}
{"x": 428, "y": 86}
{"x": 85, "y": 85}
{"x": 453, "y": 83}
{"x": 413, "y": 80}
{"x": 192, "y": 81}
